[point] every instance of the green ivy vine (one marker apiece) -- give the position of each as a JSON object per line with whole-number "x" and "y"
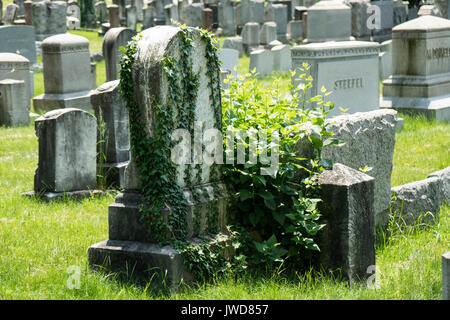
{"x": 151, "y": 154}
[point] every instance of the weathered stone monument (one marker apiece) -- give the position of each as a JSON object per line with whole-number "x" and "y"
{"x": 67, "y": 73}
{"x": 347, "y": 68}
{"x": 348, "y": 239}
{"x": 19, "y": 39}
{"x": 113, "y": 40}
{"x": 110, "y": 108}
{"x": 10, "y": 13}
{"x": 67, "y": 153}
{"x": 14, "y": 108}
{"x": 230, "y": 60}
{"x": 226, "y": 18}
{"x": 420, "y": 80}
{"x": 129, "y": 241}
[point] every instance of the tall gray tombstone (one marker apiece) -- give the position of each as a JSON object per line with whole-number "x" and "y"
{"x": 131, "y": 16}
{"x": 278, "y": 14}
{"x": 113, "y": 40}
{"x": 110, "y": 108}
{"x": 101, "y": 12}
{"x": 19, "y": 39}
{"x": 129, "y": 241}
{"x": 67, "y": 151}
{"x": 148, "y": 18}
{"x": 348, "y": 239}
{"x": 192, "y": 14}
{"x": 420, "y": 80}
{"x": 20, "y": 8}
{"x": 14, "y": 108}
{"x": 67, "y": 73}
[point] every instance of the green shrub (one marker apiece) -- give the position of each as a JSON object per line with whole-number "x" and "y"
{"x": 275, "y": 211}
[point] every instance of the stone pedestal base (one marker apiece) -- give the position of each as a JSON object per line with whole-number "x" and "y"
{"x": 79, "y": 100}
{"x": 144, "y": 260}
{"x": 105, "y": 27}
{"x": 433, "y": 108}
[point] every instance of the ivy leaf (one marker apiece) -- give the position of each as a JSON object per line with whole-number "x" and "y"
{"x": 245, "y": 194}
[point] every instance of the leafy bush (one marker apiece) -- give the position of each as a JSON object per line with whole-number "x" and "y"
{"x": 275, "y": 212}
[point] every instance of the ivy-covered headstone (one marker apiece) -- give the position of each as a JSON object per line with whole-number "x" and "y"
{"x": 173, "y": 200}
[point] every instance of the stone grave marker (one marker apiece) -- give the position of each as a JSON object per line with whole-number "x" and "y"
{"x": 420, "y": 80}
{"x": 67, "y": 73}
{"x": 110, "y": 108}
{"x": 226, "y": 18}
{"x": 129, "y": 241}
{"x": 10, "y": 13}
{"x": 262, "y": 61}
{"x": 278, "y": 14}
{"x": 268, "y": 32}
{"x": 113, "y": 40}
{"x": 67, "y": 153}
{"x": 14, "y": 108}
{"x": 230, "y": 59}
{"x": 49, "y": 18}
{"x": 347, "y": 68}
{"x": 17, "y": 67}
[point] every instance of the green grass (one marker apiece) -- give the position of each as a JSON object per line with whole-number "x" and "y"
{"x": 40, "y": 241}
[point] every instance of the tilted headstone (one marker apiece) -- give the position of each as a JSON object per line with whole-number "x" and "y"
{"x": 17, "y": 67}
{"x": 347, "y": 68}
{"x": 347, "y": 243}
{"x": 110, "y": 108}
{"x": 262, "y": 61}
{"x": 20, "y": 40}
{"x": 14, "y": 108}
{"x": 67, "y": 73}
{"x": 49, "y": 18}
{"x": 113, "y": 40}
{"x": 10, "y": 13}
{"x": 67, "y": 151}
{"x": 20, "y": 8}
{"x": 129, "y": 240}
{"x": 329, "y": 20}
{"x": 420, "y": 81}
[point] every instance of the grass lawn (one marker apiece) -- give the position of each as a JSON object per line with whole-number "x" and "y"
{"x": 42, "y": 244}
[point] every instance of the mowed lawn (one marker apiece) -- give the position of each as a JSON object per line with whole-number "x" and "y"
{"x": 43, "y": 246}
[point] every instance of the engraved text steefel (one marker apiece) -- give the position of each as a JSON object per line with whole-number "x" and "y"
{"x": 354, "y": 83}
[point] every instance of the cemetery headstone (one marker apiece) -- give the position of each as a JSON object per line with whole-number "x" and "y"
{"x": 268, "y": 32}
{"x": 347, "y": 68}
{"x": 17, "y": 67}
{"x": 14, "y": 108}
{"x": 329, "y": 21}
{"x": 230, "y": 60}
{"x": 420, "y": 80}
{"x": 234, "y": 43}
{"x": 101, "y": 12}
{"x": 20, "y": 40}
{"x": 67, "y": 73}
{"x": 148, "y": 18}
{"x": 192, "y": 14}
{"x": 226, "y": 18}
{"x": 27, "y": 12}
{"x": 49, "y": 18}
{"x": 262, "y": 61}
{"x": 67, "y": 151}
{"x": 295, "y": 30}
{"x": 129, "y": 241}
{"x": 207, "y": 19}
{"x": 278, "y": 13}
{"x": 446, "y": 276}
{"x": 110, "y": 108}
{"x": 281, "y": 58}
{"x": 113, "y": 40}
{"x": 250, "y": 36}
{"x": 131, "y": 15}
{"x": 20, "y": 8}
{"x": 114, "y": 19}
